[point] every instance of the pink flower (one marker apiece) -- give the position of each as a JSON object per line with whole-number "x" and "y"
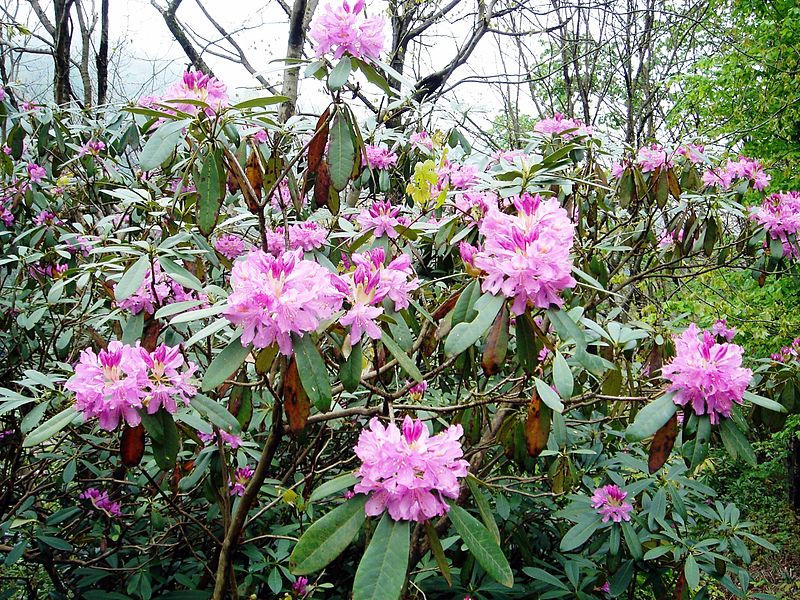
{"x": 274, "y": 297}
{"x": 653, "y": 157}
{"x": 2, "y": 94}
{"x": 110, "y": 385}
{"x": 102, "y": 502}
{"x": 474, "y": 204}
{"x": 381, "y": 217}
{"x": 361, "y": 318}
{"x": 464, "y": 177}
{"x": 241, "y": 478}
{"x": 92, "y": 148}
{"x": 230, "y": 246}
{"x": 667, "y": 237}
{"x": 609, "y": 502}
{"x": 261, "y": 136}
{"x": 507, "y": 156}
{"x": 307, "y": 236}
{"x": 527, "y": 256}
{"x": 157, "y": 289}
{"x": 300, "y": 586}
{"x": 558, "y": 124}
{"x": 721, "y": 329}
{"x": 198, "y": 86}
{"x": 378, "y": 157}
{"x": 282, "y": 197}
{"x": 417, "y": 391}
{"x": 409, "y": 473}
{"x": 46, "y": 218}
{"x": 606, "y": 588}
{"x": 338, "y": 29}
{"x": 692, "y": 152}
{"x": 166, "y": 382}
{"x": 705, "y": 374}
{"x": 36, "y": 173}
{"x": 421, "y": 139}
{"x": 743, "y": 168}
{"x": 779, "y": 215}
{"x": 618, "y": 168}
{"x": 234, "y": 441}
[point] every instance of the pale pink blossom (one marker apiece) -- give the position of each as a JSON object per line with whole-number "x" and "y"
{"x": 779, "y": 215}
{"x": 609, "y": 501}
{"x": 421, "y": 139}
{"x": 381, "y": 218}
{"x": 92, "y": 148}
{"x": 102, "y": 502}
{"x": 230, "y": 246}
{"x": 378, "y": 157}
{"x": 653, "y": 157}
{"x": 168, "y": 380}
{"x": 157, "y": 289}
{"x": 338, "y": 29}
{"x": 720, "y": 329}
{"x": 36, "y": 173}
{"x": 693, "y": 153}
{"x": 409, "y": 473}
{"x": 562, "y": 126}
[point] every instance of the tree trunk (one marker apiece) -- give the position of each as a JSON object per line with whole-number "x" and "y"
{"x": 101, "y": 58}
{"x": 794, "y": 472}
{"x": 61, "y": 56}
{"x": 298, "y": 21}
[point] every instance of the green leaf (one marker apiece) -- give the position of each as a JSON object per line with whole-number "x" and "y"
{"x": 161, "y": 144}
{"x": 542, "y": 575}
{"x": 131, "y": 279}
{"x": 548, "y": 396}
{"x": 381, "y": 573}
{"x": 632, "y": 540}
{"x": 482, "y": 545}
{"x": 341, "y": 151}
{"x": 350, "y": 370}
{"x": 764, "y": 402}
{"x": 466, "y": 333}
{"x": 16, "y": 553}
{"x": 483, "y": 507}
{"x": 180, "y": 274}
{"x": 651, "y": 418}
{"x": 312, "y": 371}
{"x": 339, "y": 74}
{"x": 402, "y": 358}
{"x": 622, "y": 578}
{"x": 259, "y": 102}
{"x": 700, "y": 442}
{"x": 210, "y": 186}
{"x": 54, "y": 542}
{"x": 164, "y": 435}
{"x": 216, "y": 413}
{"x": 225, "y": 364}
{"x": 49, "y": 428}
{"x": 464, "y": 308}
{"x": 566, "y": 328}
{"x": 579, "y": 533}
{"x": 328, "y": 537}
{"x": 334, "y": 485}
{"x": 692, "y": 572}
{"x": 736, "y": 443}
{"x": 562, "y": 376}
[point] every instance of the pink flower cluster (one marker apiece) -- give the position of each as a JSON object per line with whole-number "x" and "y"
{"x": 230, "y": 246}
{"x": 6, "y": 216}
{"x": 421, "y": 139}
{"x": 527, "y": 257}
{"x": 117, "y": 382}
{"x": 234, "y": 441}
{"x": 275, "y": 296}
{"x": 339, "y": 29}
{"x": 609, "y": 501}
{"x": 382, "y": 218}
{"x": 241, "y": 478}
{"x": 409, "y": 472}
{"x": 779, "y": 215}
{"x": 474, "y": 205}
{"x": 788, "y": 353}
{"x": 102, "y": 502}
{"x": 416, "y": 392}
{"x": 378, "y": 157}
{"x": 721, "y": 330}
{"x": 560, "y": 125}
{"x": 368, "y": 284}
{"x": 653, "y": 157}
{"x": 305, "y": 236}
{"x": 667, "y": 237}
{"x": 194, "y": 85}
{"x": 92, "y": 148}
{"x": 692, "y": 152}
{"x": 36, "y": 173}
{"x": 742, "y": 169}
{"x": 705, "y": 374}
{"x": 157, "y": 289}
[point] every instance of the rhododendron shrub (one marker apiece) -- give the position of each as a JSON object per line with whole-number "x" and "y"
{"x": 246, "y": 358}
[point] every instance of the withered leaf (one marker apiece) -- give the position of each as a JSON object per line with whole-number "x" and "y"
{"x": 663, "y": 441}
{"x": 131, "y": 446}
{"x": 295, "y": 400}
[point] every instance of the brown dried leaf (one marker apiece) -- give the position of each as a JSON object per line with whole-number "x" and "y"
{"x": 295, "y": 400}
{"x": 322, "y": 185}
{"x": 663, "y": 441}
{"x": 537, "y": 426}
{"x": 494, "y": 352}
{"x": 254, "y": 174}
{"x": 131, "y": 446}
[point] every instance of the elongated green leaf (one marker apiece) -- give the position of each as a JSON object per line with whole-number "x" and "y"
{"x": 464, "y": 308}
{"x": 764, "y": 402}
{"x": 216, "y": 413}
{"x": 334, "y": 485}
{"x": 651, "y": 418}
{"x": 465, "y": 334}
{"x": 701, "y": 439}
{"x": 382, "y": 570}
{"x": 341, "y": 151}
{"x": 16, "y": 553}
{"x": 180, "y": 274}
{"x": 483, "y": 507}
{"x": 579, "y": 533}
{"x": 131, "y": 279}
{"x": 350, "y": 370}
{"x": 259, "y": 102}
{"x": 161, "y": 144}
{"x": 736, "y": 443}
{"x": 482, "y": 545}
{"x": 562, "y": 376}
{"x": 692, "y": 572}
{"x": 548, "y": 396}
{"x": 164, "y": 436}
{"x": 211, "y": 188}
{"x": 402, "y": 358}
{"x": 622, "y": 578}
{"x": 437, "y": 551}
{"x": 632, "y": 540}
{"x": 567, "y": 328}
{"x": 312, "y": 371}
{"x": 340, "y": 73}
{"x": 225, "y": 364}
{"x": 49, "y": 428}
{"x": 328, "y": 537}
